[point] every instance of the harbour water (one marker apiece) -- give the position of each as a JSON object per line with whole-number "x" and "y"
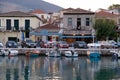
{"x": 59, "y": 68}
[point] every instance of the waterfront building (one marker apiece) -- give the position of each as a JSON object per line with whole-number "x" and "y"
{"x": 17, "y": 25}
{"x": 46, "y": 32}
{"x": 77, "y": 24}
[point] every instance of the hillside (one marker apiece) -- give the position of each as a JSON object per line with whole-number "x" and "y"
{"x": 26, "y": 5}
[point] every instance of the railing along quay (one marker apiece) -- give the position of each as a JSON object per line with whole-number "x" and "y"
{"x": 23, "y": 50}
{"x": 62, "y": 49}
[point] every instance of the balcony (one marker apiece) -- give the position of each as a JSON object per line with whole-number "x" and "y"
{"x": 22, "y": 28}
{"x": 77, "y": 32}
{"x": 86, "y": 30}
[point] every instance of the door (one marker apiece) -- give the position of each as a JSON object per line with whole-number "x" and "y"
{"x": 16, "y": 24}
{"x": 27, "y": 27}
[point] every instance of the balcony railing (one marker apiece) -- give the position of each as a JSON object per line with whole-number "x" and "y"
{"x": 79, "y": 28}
{"x": 22, "y": 28}
{"x": 77, "y": 32}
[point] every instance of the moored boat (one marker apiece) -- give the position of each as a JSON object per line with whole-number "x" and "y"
{"x": 53, "y": 54}
{"x": 71, "y": 54}
{"x": 9, "y": 52}
{"x": 115, "y": 53}
{"x": 94, "y": 50}
{"x": 32, "y": 53}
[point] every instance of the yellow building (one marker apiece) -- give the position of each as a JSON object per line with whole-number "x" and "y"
{"x": 14, "y": 24}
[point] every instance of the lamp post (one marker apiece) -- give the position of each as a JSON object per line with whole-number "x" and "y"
{"x": 93, "y": 34}
{"x": 4, "y": 40}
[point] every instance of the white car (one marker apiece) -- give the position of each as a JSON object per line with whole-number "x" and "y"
{"x": 108, "y": 44}
{"x": 1, "y": 45}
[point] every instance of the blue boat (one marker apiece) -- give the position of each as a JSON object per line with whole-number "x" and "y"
{"x": 95, "y": 47}
{"x": 34, "y": 55}
{"x": 94, "y": 55}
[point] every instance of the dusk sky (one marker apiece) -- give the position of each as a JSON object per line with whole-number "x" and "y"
{"x": 84, "y": 4}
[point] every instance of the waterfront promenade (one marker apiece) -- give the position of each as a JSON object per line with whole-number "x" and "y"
{"x": 80, "y": 51}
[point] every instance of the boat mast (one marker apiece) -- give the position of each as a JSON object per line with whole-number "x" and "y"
{"x": 93, "y": 33}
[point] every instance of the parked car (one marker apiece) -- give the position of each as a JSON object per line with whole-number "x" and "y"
{"x": 62, "y": 44}
{"x": 80, "y": 44}
{"x": 40, "y": 44}
{"x": 108, "y": 44}
{"x": 11, "y": 44}
{"x": 118, "y": 44}
{"x": 30, "y": 44}
{"x": 50, "y": 44}
{"x": 113, "y": 43}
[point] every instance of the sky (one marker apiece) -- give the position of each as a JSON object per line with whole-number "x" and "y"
{"x": 84, "y": 4}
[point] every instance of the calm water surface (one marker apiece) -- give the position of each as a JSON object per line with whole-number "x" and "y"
{"x": 50, "y": 68}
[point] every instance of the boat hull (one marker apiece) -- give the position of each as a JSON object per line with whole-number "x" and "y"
{"x": 53, "y": 54}
{"x": 71, "y": 54}
{"x": 94, "y": 55}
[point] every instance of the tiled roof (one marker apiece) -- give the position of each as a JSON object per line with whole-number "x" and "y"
{"x": 38, "y": 11}
{"x": 16, "y": 14}
{"x": 48, "y": 27}
{"x": 68, "y": 9}
{"x": 78, "y": 10}
{"x": 104, "y": 14}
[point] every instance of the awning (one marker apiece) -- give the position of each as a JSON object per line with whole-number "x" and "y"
{"x": 77, "y": 36}
{"x": 45, "y": 33}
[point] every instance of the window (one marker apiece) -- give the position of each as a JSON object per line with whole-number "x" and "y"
{"x": 42, "y": 16}
{"x": 78, "y": 23}
{"x": 70, "y": 22}
{"x": 87, "y": 21}
{"x": 27, "y": 28}
{"x": 27, "y": 24}
{"x": 16, "y": 24}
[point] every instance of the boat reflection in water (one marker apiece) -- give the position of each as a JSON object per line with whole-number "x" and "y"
{"x": 58, "y": 68}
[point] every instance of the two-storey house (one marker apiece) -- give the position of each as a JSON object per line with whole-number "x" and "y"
{"x": 77, "y": 24}
{"x": 16, "y": 25}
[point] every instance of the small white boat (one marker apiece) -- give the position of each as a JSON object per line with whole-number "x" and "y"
{"x": 10, "y": 52}
{"x": 2, "y": 52}
{"x": 71, "y": 54}
{"x": 13, "y": 52}
{"x": 115, "y": 53}
{"x": 53, "y": 53}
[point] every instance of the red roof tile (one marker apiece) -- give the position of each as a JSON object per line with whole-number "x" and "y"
{"x": 38, "y": 11}
{"x": 104, "y": 14}
{"x": 48, "y": 27}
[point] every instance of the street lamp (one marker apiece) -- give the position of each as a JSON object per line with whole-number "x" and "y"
{"x": 93, "y": 34}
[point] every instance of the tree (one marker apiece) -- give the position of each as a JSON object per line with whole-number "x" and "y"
{"x": 105, "y": 28}
{"x": 114, "y": 6}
